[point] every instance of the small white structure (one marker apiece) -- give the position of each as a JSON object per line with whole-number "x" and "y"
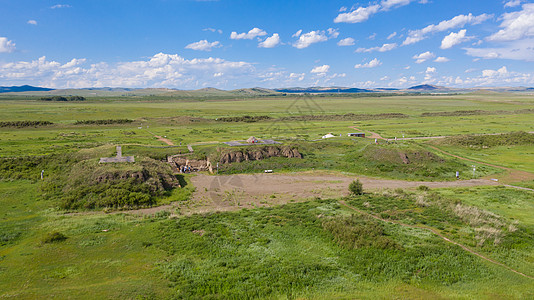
{"x": 118, "y": 159}
{"x": 328, "y": 136}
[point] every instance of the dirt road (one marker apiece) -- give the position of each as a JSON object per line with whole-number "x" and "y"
{"x": 233, "y": 192}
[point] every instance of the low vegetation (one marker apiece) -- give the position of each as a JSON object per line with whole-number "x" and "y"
{"x": 20, "y": 124}
{"x": 103, "y": 122}
{"x": 63, "y": 99}
{"x": 356, "y": 187}
{"x": 51, "y": 247}
{"x": 246, "y": 119}
{"x": 475, "y": 113}
{"x": 54, "y": 237}
{"x": 399, "y": 161}
{"x": 487, "y": 141}
{"x": 90, "y": 185}
{"x": 356, "y": 232}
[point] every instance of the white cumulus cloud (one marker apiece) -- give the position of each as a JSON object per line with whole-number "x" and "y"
{"x": 213, "y": 30}
{"x": 421, "y": 58}
{"x": 297, "y": 34}
{"x": 320, "y": 69}
{"x": 270, "y": 42}
{"x": 312, "y": 37}
{"x": 298, "y": 76}
{"x": 32, "y": 22}
{"x": 6, "y": 46}
{"x": 60, "y": 6}
{"x": 495, "y": 73}
{"x": 454, "y": 39}
{"x": 517, "y": 50}
{"x": 160, "y": 70}
{"x": 441, "y": 59}
{"x": 516, "y": 25}
{"x": 372, "y": 64}
{"x": 346, "y": 42}
{"x": 415, "y": 36}
{"x": 333, "y": 33}
{"x": 383, "y": 48}
{"x": 388, "y": 4}
{"x": 361, "y": 14}
{"x": 203, "y": 45}
{"x": 512, "y": 3}
{"x": 254, "y": 32}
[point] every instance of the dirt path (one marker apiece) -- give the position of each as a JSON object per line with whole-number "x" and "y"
{"x": 512, "y": 175}
{"x": 165, "y": 140}
{"x": 436, "y": 232}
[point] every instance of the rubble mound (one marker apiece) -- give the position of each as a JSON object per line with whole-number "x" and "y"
{"x": 259, "y": 153}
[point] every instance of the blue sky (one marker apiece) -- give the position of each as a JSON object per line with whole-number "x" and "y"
{"x": 228, "y": 44}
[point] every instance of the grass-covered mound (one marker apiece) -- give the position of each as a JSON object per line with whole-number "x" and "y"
{"x": 403, "y": 160}
{"x": 406, "y": 161}
{"x": 487, "y": 141}
{"x": 90, "y": 185}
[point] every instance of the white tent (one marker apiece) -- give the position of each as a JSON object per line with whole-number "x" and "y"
{"x": 328, "y": 136}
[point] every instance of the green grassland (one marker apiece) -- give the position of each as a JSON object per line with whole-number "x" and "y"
{"x": 314, "y": 250}
{"x": 71, "y": 235}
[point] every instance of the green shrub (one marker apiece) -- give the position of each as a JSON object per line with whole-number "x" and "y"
{"x": 359, "y": 232}
{"x": 54, "y": 237}
{"x": 356, "y": 187}
{"x": 61, "y": 98}
{"x": 103, "y": 122}
{"x": 508, "y": 139}
{"x": 20, "y": 124}
{"x": 423, "y": 188}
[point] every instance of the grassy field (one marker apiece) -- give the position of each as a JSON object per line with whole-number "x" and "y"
{"x": 300, "y": 250}
{"x": 94, "y": 247}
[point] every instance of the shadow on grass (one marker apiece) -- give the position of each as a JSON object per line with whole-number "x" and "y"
{"x": 181, "y": 179}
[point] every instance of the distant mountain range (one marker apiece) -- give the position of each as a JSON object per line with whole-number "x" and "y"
{"x": 27, "y": 90}
{"x": 22, "y": 88}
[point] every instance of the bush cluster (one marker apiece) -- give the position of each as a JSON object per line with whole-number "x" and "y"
{"x": 246, "y": 119}
{"x": 30, "y": 167}
{"x": 356, "y": 187}
{"x": 359, "y": 232}
{"x": 508, "y": 139}
{"x": 61, "y": 98}
{"x": 21, "y": 124}
{"x": 54, "y": 237}
{"x": 103, "y": 122}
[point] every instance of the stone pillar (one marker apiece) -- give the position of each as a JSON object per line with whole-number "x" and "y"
{"x": 119, "y": 151}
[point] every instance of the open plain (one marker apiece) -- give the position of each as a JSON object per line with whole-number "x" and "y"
{"x": 214, "y": 224}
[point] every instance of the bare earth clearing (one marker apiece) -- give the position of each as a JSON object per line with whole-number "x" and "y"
{"x": 234, "y": 192}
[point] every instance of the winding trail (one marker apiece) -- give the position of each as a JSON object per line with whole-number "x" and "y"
{"x": 436, "y": 232}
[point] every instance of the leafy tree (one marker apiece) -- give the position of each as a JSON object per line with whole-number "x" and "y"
{"x": 356, "y": 187}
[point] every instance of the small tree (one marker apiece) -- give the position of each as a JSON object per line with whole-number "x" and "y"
{"x": 356, "y": 187}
